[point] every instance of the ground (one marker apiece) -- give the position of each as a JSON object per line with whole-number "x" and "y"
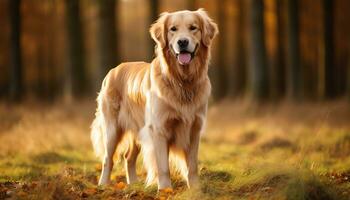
{"x": 266, "y": 151}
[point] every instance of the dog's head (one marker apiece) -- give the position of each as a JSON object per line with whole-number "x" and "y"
{"x": 184, "y": 33}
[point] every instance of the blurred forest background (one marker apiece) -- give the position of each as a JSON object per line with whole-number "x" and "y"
{"x": 292, "y": 55}
{"x": 267, "y": 49}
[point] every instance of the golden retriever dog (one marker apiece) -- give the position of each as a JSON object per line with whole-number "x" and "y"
{"x": 158, "y": 108}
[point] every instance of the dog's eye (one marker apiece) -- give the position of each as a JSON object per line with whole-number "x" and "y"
{"x": 192, "y": 28}
{"x": 173, "y": 29}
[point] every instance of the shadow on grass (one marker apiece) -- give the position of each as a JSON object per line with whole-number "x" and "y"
{"x": 263, "y": 187}
{"x": 277, "y": 142}
{"x": 341, "y": 149}
{"x": 311, "y": 189}
{"x": 32, "y": 167}
{"x": 30, "y": 172}
{"x": 52, "y": 158}
{"x": 209, "y": 175}
{"x": 214, "y": 182}
{"x": 247, "y": 138}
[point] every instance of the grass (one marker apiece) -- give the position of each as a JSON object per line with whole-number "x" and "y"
{"x": 280, "y": 151}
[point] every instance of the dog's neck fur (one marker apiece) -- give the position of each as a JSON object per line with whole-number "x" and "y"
{"x": 184, "y": 81}
{"x": 191, "y": 74}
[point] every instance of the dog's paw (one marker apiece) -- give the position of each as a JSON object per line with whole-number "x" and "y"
{"x": 165, "y": 193}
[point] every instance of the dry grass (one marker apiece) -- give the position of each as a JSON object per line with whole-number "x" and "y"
{"x": 248, "y": 152}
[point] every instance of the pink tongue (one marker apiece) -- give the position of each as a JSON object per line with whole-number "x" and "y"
{"x": 184, "y": 58}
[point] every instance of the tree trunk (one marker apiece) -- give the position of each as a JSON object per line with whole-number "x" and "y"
{"x": 218, "y": 73}
{"x": 237, "y": 72}
{"x": 75, "y": 73}
{"x": 107, "y": 34}
{"x": 16, "y": 85}
{"x": 294, "y": 72}
{"x": 277, "y": 84}
{"x": 52, "y": 65}
{"x": 257, "y": 62}
{"x": 328, "y": 41}
{"x": 153, "y": 16}
{"x": 348, "y": 71}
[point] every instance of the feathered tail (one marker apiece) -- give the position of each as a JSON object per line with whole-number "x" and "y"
{"x": 97, "y": 135}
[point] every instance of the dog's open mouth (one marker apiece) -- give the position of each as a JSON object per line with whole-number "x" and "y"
{"x": 185, "y": 57}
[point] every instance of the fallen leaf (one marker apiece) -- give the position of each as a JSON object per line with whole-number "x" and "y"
{"x": 168, "y": 190}
{"x": 120, "y": 185}
{"x": 90, "y": 191}
{"x": 165, "y": 193}
{"x": 84, "y": 195}
{"x": 21, "y": 194}
{"x": 33, "y": 184}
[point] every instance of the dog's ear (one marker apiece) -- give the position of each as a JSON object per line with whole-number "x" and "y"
{"x": 158, "y": 30}
{"x": 209, "y": 27}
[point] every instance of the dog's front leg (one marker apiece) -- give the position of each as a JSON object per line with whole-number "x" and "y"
{"x": 192, "y": 153}
{"x": 161, "y": 151}
{"x": 156, "y": 145}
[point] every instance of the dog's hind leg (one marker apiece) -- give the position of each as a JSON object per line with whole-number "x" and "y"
{"x": 111, "y": 137}
{"x": 130, "y": 158}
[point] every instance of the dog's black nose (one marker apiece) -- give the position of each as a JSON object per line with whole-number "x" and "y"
{"x": 183, "y": 43}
